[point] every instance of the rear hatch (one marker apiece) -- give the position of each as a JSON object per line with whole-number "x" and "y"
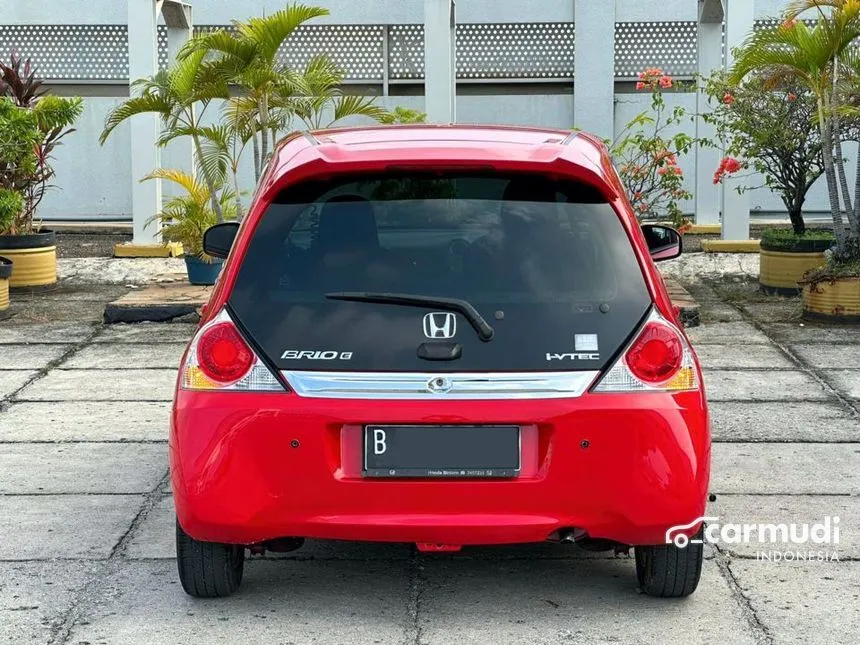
{"x": 547, "y": 265}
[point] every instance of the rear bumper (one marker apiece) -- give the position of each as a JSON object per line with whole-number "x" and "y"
{"x": 248, "y": 468}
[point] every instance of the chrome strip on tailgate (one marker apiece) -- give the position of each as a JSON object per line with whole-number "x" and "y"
{"x": 426, "y": 385}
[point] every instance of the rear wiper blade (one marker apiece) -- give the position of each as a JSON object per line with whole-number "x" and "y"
{"x": 481, "y": 326}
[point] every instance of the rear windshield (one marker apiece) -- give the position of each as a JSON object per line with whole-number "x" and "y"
{"x": 547, "y": 264}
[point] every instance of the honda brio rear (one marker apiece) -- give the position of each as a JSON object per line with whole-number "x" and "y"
{"x": 443, "y": 336}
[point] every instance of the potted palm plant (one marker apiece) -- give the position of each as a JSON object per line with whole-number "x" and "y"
{"x": 186, "y": 217}
{"x": 821, "y": 58}
{"x": 31, "y": 127}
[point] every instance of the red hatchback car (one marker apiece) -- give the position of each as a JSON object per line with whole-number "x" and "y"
{"x": 448, "y": 336}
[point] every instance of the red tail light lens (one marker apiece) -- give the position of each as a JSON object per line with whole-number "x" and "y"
{"x": 222, "y": 355}
{"x": 657, "y": 355}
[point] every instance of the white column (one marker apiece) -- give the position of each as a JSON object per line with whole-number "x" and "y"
{"x": 594, "y": 83}
{"x": 708, "y": 196}
{"x": 740, "y": 19}
{"x": 145, "y": 128}
{"x": 440, "y": 61}
{"x": 177, "y": 36}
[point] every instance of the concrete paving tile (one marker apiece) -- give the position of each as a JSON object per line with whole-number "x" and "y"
{"x": 846, "y": 381}
{"x": 717, "y": 312}
{"x": 34, "y": 595}
{"x": 584, "y": 601}
{"x": 86, "y": 421}
{"x": 43, "y": 527}
{"x": 102, "y": 385}
{"x": 147, "y": 333}
{"x": 800, "y": 421}
{"x": 762, "y": 385}
{"x": 803, "y": 603}
{"x": 829, "y": 356}
{"x": 31, "y": 357}
{"x": 30, "y": 469}
{"x": 53, "y": 332}
{"x": 805, "y": 333}
{"x": 280, "y": 601}
{"x": 790, "y": 509}
{"x": 126, "y": 356}
{"x": 742, "y": 356}
{"x": 11, "y": 380}
{"x": 737, "y": 333}
{"x": 786, "y": 469}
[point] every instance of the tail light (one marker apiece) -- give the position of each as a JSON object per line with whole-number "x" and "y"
{"x": 658, "y": 360}
{"x": 220, "y": 359}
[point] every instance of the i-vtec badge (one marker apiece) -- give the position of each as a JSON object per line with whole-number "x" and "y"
{"x": 573, "y": 357}
{"x": 305, "y": 354}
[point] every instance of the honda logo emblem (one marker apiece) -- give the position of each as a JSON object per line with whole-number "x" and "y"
{"x": 440, "y": 325}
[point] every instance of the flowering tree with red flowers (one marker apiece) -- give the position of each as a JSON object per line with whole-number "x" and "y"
{"x": 770, "y": 130}
{"x": 646, "y": 154}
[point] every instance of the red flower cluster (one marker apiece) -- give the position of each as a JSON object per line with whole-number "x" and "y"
{"x": 671, "y": 164}
{"x": 728, "y": 166}
{"x": 729, "y": 99}
{"x": 654, "y": 78}
{"x": 789, "y": 24}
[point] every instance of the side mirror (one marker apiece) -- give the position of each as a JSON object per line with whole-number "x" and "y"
{"x": 664, "y": 242}
{"x": 218, "y": 239}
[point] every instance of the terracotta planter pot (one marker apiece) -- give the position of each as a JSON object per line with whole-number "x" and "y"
{"x": 34, "y": 258}
{"x": 5, "y": 274}
{"x": 836, "y": 301}
{"x": 783, "y": 269}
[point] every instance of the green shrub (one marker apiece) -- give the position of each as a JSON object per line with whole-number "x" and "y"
{"x": 11, "y": 203}
{"x": 785, "y": 239}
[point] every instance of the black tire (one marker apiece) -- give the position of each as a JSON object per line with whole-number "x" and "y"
{"x": 207, "y": 569}
{"x": 667, "y": 571}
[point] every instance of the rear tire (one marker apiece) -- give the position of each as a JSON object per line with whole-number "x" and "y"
{"x": 208, "y": 569}
{"x": 667, "y": 571}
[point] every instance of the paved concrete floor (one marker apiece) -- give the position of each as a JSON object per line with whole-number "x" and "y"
{"x": 86, "y": 536}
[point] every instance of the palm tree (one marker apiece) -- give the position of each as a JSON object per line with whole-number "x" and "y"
{"x": 185, "y": 218}
{"x": 180, "y": 95}
{"x": 247, "y": 56}
{"x": 813, "y": 57}
{"x": 317, "y": 100}
{"x": 273, "y": 95}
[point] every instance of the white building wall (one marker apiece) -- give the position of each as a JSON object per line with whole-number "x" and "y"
{"x": 95, "y": 181}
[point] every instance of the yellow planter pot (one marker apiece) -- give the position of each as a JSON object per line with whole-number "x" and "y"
{"x": 5, "y": 272}
{"x": 781, "y": 271}
{"x": 34, "y": 259}
{"x": 835, "y": 301}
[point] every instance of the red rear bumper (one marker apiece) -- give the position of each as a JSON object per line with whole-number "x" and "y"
{"x": 252, "y": 467}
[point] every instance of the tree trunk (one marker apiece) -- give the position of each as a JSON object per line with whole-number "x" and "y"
{"x": 239, "y": 214}
{"x": 264, "y": 131}
{"x": 840, "y": 166}
{"x": 830, "y": 175}
{"x": 795, "y": 214}
{"x": 256, "y": 146}
{"x": 210, "y": 184}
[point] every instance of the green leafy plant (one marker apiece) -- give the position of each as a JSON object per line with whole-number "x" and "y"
{"x": 403, "y": 116}
{"x": 181, "y": 96}
{"x": 646, "y": 154}
{"x": 48, "y": 119}
{"x": 11, "y": 203}
{"x": 823, "y": 60}
{"x": 787, "y": 239}
{"x": 185, "y": 218}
